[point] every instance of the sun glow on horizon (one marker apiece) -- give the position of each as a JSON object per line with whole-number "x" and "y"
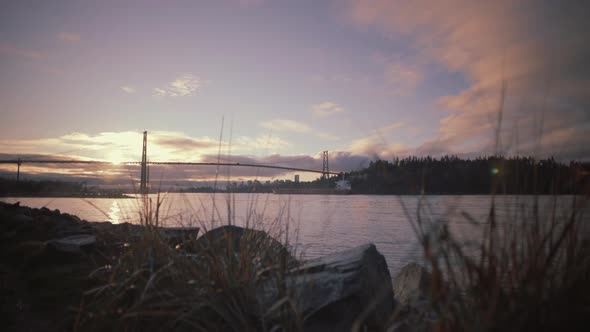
{"x": 116, "y": 158}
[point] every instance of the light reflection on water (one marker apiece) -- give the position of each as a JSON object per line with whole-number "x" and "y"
{"x": 115, "y": 213}
{"x": 318, "y": 225}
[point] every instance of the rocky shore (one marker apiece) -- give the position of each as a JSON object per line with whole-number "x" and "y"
{"x": 59, "y": 272}
{"x": 68, "y": 195}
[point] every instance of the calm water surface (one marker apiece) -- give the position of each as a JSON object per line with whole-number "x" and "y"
{"x": 317, "y": 224}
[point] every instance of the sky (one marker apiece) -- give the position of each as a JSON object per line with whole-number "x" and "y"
{"x": 280, "y": 81}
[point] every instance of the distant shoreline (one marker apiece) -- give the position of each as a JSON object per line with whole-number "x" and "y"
{"x": 127, "y": 196}
{"x": 68, "y": 195}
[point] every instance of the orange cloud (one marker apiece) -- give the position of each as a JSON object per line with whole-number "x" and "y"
{"x": 493, "y": 43}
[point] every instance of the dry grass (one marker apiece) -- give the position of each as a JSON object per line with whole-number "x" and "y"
{"x": 205, "y": 285}
{"x": 530, "y": 270}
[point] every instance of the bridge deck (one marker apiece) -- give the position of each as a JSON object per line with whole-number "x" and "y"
{"x": 48, "y": 161}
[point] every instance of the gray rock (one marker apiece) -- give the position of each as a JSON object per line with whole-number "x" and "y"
{"x": 23, "y": 219}
{"x": 412, "y": 287}
{"x": 412, "y": 284}
{"x": 400, "y": 326}
{"x": 335, "y": 292}
{"x": 177, "y": 235}
{"x": 73, "y": 244}
{"x": 245, "y": 240}
{"x": 233, "y": 234}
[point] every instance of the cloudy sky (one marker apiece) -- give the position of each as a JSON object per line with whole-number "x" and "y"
{"x": 280, "y": 81}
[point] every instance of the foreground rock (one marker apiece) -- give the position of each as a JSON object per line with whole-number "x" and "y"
{"x": 245, "y": 241}
{"x": 74, "y": 243}
{"x": 412, "y": 286}
{"x": 46, "y": 259}
{"x": 348, "y": 289}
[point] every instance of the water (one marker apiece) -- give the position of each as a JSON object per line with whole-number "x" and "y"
{"x": 318, "y": 224}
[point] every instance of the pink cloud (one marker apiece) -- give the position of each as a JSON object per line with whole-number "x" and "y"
{"x": 377, "y": 144}
{"x": 401, "y": 78}
{"x": 400, "y": 75}
{"x": 15, "y": 51}
{"x": 69, "y": 37}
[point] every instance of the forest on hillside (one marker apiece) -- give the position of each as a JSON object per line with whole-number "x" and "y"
{"x": 482, "y": 175}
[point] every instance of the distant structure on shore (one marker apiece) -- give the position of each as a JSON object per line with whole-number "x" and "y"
{"x": 343, "y": 187}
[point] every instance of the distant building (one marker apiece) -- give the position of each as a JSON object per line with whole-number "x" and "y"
{"x": 296, "y": 178}
{"x": 343, "y": 185}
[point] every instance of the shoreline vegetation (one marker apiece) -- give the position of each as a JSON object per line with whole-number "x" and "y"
{"x": 67, "y": 195}
{"x": 54, "y": 188}
{"x": 62, "y": 273}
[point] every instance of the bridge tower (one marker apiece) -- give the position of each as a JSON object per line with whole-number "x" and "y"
{"x": 18, "y": 170}
{"x": 325, "y": 166}
{"x": 143, "y": 187}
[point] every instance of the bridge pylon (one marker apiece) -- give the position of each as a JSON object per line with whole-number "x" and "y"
{"x": 143, "y": 186}
{"x": 325, "y": 165}
{"x": 18, "y": 170}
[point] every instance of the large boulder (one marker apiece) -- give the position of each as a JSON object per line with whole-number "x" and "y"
{"x": 412, "y": 286}
{"x": 245, "y": 241}
{"x": 230, "y": 235}
{"x": 348, "y": 289}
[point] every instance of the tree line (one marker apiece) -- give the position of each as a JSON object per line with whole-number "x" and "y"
{"x": 482, "y": 175}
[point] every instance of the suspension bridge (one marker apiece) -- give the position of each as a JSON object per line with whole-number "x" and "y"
{"x": 144, "y": 163}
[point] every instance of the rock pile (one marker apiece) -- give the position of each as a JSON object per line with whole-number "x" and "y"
{"x": 338, "y": 292}
{"x": 48, "y": 259}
